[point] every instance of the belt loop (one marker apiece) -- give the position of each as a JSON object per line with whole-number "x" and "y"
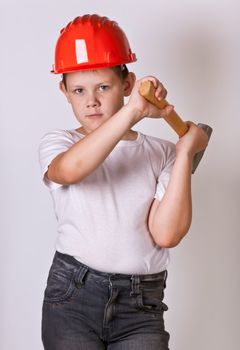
{"x": 135, "y": 286}
{"x": 79, "y": 277}
{"x": 165, "y": 278}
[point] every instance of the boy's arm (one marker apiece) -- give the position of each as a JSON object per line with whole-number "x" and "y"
{"x": 87, "y": 154}
{"x": 170, "y": 219}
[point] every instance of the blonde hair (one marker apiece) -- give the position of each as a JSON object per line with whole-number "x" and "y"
{"x": 121, "y": 71}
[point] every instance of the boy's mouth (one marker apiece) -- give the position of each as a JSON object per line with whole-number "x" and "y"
{"x": 94, "y": 115}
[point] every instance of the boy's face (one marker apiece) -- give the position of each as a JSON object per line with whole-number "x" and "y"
{"x": 95, "y": 95}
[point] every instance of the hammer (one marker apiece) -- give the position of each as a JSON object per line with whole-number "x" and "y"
{"x": 147, "y": 90}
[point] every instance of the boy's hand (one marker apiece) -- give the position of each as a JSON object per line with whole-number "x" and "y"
{"x": 194, "y": 141}
{"x": 145, "y": 108}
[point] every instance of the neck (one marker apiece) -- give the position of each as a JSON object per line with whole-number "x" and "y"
{"x": 130, "y": 135}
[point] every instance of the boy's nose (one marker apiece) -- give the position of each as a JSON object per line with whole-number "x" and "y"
{"x": 92, "y": 101}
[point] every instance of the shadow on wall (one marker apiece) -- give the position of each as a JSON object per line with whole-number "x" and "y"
{"x": 196, "y": 58}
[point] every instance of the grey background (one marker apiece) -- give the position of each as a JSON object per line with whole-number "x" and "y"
{"x": 193, "y": 48}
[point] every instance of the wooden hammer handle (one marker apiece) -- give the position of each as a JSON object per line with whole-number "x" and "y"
{"x": 147, "y": 90}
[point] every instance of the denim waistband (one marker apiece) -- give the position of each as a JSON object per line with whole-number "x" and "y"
{"x": 136, "y": 277}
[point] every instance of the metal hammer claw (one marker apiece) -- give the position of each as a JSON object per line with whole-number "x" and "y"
{"x": 147, "y": 90}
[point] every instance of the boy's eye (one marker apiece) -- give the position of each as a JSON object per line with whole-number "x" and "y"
{"x": 103, "y": 87}
{"x": 78, "y": 91}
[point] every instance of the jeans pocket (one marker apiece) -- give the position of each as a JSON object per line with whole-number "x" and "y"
{"x": 60, "y": 283}
{"x": 151, "y": 297}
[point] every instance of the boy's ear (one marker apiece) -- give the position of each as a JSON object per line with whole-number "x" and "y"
{"x": 129, "y": 83}
{"x": 63, "y": 89}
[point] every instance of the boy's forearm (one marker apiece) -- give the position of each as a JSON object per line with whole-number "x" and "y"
{"x": 87, "y": 154}
{"x": 173, "y": 215}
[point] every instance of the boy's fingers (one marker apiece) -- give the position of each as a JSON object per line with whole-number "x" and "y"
{"x": 161, "y": 92}
{"x": 167, "y": 110}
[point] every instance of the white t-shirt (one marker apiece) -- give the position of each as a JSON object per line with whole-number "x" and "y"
{"x": 102, "y": 220}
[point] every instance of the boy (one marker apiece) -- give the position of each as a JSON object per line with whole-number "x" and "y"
{"x": 121, "y": 199}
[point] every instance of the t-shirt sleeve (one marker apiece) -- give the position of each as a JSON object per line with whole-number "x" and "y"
{"x": 52, "y": 144}
{"x": 163, "y": 179}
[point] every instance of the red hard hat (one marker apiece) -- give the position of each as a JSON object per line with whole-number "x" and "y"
{"x": 91, "y": 42}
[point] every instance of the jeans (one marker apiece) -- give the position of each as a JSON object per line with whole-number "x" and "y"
{"x": 85, "y": 309}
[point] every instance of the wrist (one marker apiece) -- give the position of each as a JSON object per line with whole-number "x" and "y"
{"x": 186, "y": 155}
{"x": 184, "y": 151}
{"x": 133, "y": 113}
